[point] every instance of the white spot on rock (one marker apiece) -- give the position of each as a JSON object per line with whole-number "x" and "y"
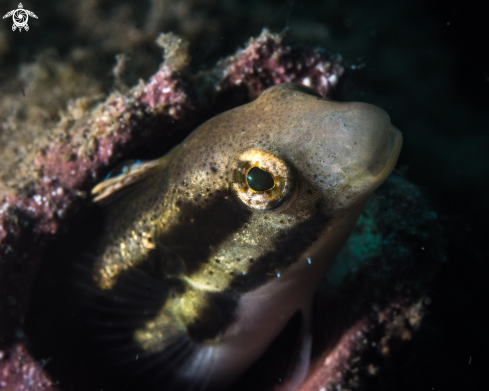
{"x": 333, "y": 80}
{"x": 37, "y": 199}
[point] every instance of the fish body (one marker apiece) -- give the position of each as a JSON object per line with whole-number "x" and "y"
{"x": 210, "y": 250}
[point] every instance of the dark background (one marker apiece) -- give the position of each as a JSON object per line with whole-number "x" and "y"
{"x": 432, "y": 76}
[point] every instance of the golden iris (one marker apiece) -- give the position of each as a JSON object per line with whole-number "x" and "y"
{"x": 261, "y": 180}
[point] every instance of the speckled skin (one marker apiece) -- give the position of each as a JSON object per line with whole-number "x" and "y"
{"x": 217, "y": 256}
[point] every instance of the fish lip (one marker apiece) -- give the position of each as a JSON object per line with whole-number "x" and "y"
{"x": 379, "y": 168}
{"x": 383, "y": 166}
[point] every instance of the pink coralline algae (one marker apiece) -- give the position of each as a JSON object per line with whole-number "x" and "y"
{"x": 340, "y": 366}
{"x": 93, "y": 136}
{"x": 266, "y": 62}
{"x": 162, "y": 93}
{"x": 19, "y": 372}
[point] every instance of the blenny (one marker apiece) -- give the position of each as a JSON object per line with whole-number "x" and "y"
{"x": 211, "y": 250}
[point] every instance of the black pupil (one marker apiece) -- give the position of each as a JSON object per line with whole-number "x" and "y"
{"x": 259, "y": 180}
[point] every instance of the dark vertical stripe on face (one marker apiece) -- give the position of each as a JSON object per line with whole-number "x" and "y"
{"x": 204, "y": 225}
{"x": 285, "y": 251}
{"x": 217, "y": 315}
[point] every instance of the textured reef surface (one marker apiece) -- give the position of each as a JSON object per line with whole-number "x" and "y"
{"x": 65, "y": 134}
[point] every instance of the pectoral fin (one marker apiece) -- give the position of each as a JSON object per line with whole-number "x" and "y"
{"x": 137, "y": 330}
{"x": 122, "y": 177}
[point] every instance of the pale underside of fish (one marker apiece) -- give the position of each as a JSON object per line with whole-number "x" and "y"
{"x": 211, "y": 250}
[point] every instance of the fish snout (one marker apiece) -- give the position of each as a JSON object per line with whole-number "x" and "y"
{"x": 358, "y": 148}
{"x": 373, "y": 144}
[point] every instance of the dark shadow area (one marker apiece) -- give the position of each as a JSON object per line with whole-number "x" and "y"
{"x": 55, "y": 323}
{"x": 272, "y": 368}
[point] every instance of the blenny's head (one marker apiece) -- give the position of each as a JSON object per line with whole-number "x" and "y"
{"x": 263, "y": 184}
{"x": 242, "y": 220}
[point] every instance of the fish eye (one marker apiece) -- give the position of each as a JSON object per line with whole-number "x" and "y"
{"x": 262, "y": 181}
{"x": 259, "y": 180}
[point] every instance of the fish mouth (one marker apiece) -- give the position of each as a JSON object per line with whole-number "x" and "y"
{"x": 386, "y": 159}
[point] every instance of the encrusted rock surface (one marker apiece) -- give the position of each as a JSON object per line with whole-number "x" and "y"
{"x": 19, "y": 372}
